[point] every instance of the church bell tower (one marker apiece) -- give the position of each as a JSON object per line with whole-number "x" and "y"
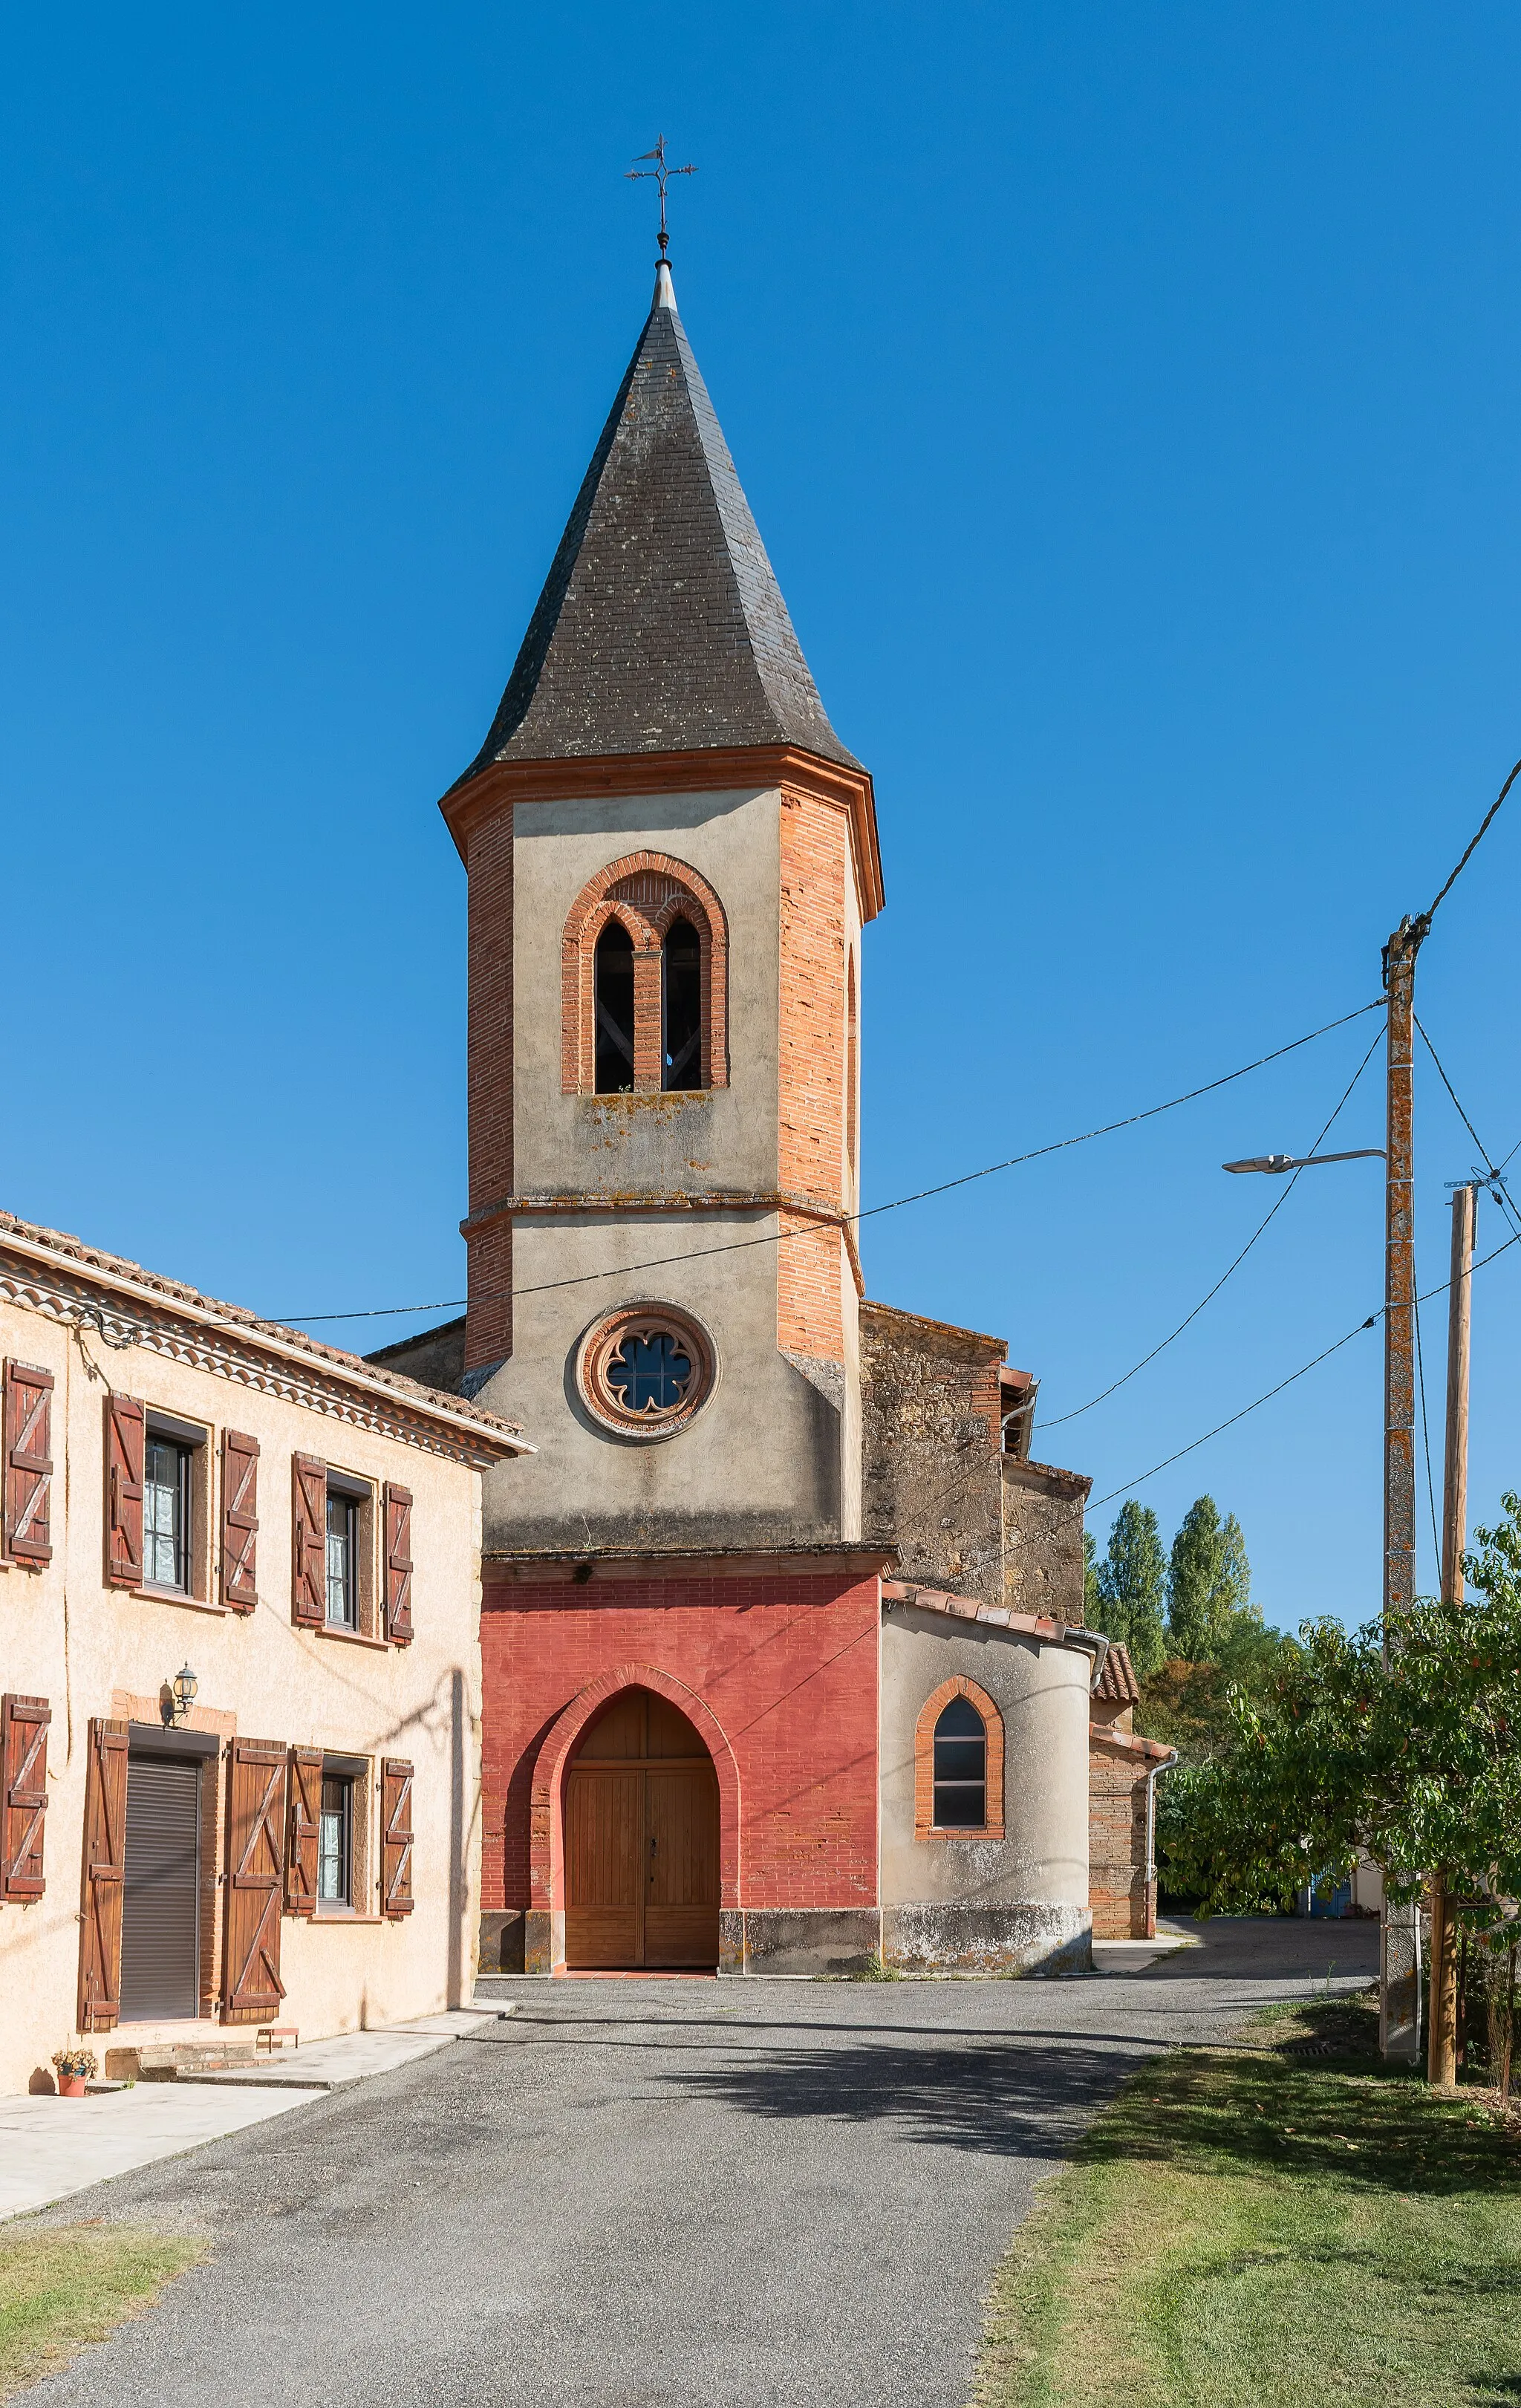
{"x": 671, "y": 857}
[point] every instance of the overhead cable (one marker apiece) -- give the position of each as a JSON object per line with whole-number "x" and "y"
{"x": 1371, "y": 1323}
{"x": 1429, "y": 913}
{"x": 1497, "y": 1187}
{"x": 851, "y": 1220}
{"x": 1277, "y": 1207}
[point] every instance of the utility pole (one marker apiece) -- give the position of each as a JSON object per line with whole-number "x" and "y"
{"x": 1441, "y": 2045}
{"x": 1399, "y": 1956}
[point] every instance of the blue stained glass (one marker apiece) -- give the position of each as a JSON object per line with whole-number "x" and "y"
{"x": 650, "y": 1373}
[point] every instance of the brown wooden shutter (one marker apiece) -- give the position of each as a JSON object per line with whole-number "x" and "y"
{"x": 398, "y": 1564}
{"x": 395, "y": 1835}
{"x": 251, "y": 1989}
{"x": 123, "y": 1491}
{"x": 28, "y": 1467}
{"x": 23, "y": 1794}
{"x": 105, "y": 1868}
{"x": 239, "y": 1520}
{"x": 308, "y": 1541}
{"x": 306, "y": 1810}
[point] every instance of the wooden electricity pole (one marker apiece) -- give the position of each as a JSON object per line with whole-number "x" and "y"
{"x": 1399, "y": 1956}
{"x": 1441, "y": 2042}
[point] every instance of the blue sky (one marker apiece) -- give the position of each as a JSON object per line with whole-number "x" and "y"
{"x": 1128, "y": 396}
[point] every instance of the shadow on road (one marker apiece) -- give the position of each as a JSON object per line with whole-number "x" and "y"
{"x": 1000, "y": 2100}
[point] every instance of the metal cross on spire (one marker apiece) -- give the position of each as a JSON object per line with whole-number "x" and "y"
{"x": 662, "y": 175}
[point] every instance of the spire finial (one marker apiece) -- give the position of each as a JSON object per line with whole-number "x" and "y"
{"x": 662, "y": 175}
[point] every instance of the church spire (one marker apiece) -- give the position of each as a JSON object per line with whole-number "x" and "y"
{"x": 661, "y": 626}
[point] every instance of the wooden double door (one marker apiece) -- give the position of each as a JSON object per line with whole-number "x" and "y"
{"x": 641, "y": 1842}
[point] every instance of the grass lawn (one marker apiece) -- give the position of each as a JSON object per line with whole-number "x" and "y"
{"x": 1264, "y": 2229}
{"x": 64, "y": 2286}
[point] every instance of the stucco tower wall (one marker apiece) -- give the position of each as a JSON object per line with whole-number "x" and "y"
{"x": 1019, "y": 1903}
{"x": 603, "y": 1184}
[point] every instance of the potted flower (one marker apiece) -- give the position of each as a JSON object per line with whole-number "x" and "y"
{"x": 75, "y": 2067}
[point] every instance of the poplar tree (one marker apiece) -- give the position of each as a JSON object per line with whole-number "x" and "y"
{"x": 1132, "y": 1586}
{"x": 1209, "y": 1584}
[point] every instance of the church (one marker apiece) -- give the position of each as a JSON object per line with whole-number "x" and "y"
{"x": 783, "y": 1664}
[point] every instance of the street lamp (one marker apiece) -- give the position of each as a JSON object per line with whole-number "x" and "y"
{"x": 1277, "y": 1162}
{"x": 1399, "y": 1947}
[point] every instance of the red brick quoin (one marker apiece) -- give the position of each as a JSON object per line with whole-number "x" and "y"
{"x": 779, "y": 1674}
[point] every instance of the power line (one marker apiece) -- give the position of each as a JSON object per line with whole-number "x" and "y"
{"x": 1371, "y": 1323}
{"x": 1428, "y": 915}
{"x": 1056, "y": 1419}
{"x": 1497, "y": 1188}
{"x": 1141, "y": 1478}
{"x": 851, "y": 1220}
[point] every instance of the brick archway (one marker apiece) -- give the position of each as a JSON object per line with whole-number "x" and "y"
{"x": 646, "y": 892}
{"x": 544, "y": 1939}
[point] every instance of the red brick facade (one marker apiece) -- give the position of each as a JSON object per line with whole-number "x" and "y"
{"x": 1122, "y": 1892}
{"x": 814, "y": 1067}
{"x": 784, "y": 1664}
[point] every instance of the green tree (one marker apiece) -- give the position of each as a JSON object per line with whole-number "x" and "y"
{"x": 1090, "y": 1580}
{"x": 1209, "y": 1584}
{"x": 1193, "y": 1580}
{"x": 1131, "y": 1587}
{"x": 1411, "y": 1752}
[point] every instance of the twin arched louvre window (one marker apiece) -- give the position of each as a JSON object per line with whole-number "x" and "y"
{"x": 644, "y": 982}
{"x": 958, "y": 1765}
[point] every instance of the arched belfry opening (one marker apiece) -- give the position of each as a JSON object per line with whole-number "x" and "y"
{"x": 680, "y": 1007}
{"x": 614, "y": 1010}
{"x": 641, "y": 1842}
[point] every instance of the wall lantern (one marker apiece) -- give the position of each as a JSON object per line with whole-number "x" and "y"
{"x": 183, "y": 1688}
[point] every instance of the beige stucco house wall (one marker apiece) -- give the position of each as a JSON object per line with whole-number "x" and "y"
{"x": 97, "y": 1651}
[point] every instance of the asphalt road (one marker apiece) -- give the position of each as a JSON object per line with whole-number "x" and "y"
{"x": 660, "y": 2192}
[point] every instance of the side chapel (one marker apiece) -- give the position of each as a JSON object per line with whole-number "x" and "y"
{"x": 784, "y": 1668}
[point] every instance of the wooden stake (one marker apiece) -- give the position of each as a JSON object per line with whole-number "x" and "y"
{"x": 1454, "y": 1489}
{"x": 1441, "y": 2038}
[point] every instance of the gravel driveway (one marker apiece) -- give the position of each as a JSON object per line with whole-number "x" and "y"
{"x": 732, "y": 2194}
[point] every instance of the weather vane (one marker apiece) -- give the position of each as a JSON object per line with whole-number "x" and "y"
{"x": 662, "y": 176}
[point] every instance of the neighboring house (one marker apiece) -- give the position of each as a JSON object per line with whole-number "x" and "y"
{"x": 712, "y": 1736}
{"x": 1122, "y": 1806}
{"x": 239, "y": 1655}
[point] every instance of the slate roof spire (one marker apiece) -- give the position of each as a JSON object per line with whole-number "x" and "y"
{"x": 661, "y": 627}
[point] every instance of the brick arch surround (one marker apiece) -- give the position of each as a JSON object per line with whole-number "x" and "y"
{"x": 645, "y": 891}
{"x": 545, "y": 1933}
{"x": 924, "y": 1761}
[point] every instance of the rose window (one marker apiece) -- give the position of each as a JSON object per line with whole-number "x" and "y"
{"x": 645, "y": 1370}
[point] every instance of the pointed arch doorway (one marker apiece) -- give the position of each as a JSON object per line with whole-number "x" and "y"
{"x": 641, "y": 1842}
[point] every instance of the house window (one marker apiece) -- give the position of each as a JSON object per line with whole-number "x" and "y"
{"x": 960, "y": 1767}
{"x": 342, "y": 1560}
{"x": 335, "y": 1841}
{"x": 166, "y": 1511}
{"x": 614, "y": 982}
{"x": 680, "y": 973}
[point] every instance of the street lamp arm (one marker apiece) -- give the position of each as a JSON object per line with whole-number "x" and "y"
{"x": 1281, "y": 1162}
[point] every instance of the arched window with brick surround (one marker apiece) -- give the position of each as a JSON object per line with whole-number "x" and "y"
{"x": 681, "y": 1006}
{"x": 644, "y": 981}
{"x": 612, "y": 999}
{"x": 958, "y": 1765}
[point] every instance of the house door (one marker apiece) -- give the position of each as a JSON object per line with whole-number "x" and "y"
{"x": 641, "y": 1842}
{"x": 160, "y": 1900}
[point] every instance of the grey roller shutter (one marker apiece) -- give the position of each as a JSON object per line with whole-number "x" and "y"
{"x": 162, "y": 1900}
